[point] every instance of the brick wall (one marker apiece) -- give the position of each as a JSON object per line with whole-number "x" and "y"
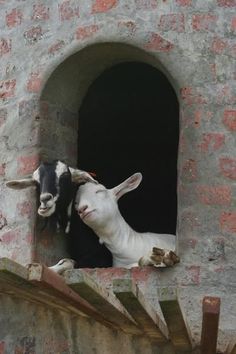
{"x": 51, "y": 51}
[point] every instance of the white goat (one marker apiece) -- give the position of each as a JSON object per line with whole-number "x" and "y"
{"x": 98, "y": 208}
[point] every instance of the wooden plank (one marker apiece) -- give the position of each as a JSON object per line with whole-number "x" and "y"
{"x": 101, "y": 299}
{"x": 13, "y": 272}
{"x": 50, "y": 283}
{"x": 14, "y": 282}
{"x": 210, "y": 323}
{"x": 231, "y": 349}
{"x": 177, "y": 326}
{"x": 140, "y": 309}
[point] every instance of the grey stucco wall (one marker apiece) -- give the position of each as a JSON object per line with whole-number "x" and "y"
{"x": 51, "y": 51}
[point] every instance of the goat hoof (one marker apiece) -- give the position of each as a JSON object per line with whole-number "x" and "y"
{"x": 145, "y": 261}
{"x": 156, "y": 259}
{"x": 158, "y": 251}
{"x": 170, "y": 259}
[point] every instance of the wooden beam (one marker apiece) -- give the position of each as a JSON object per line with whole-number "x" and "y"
{"x": 173, "y": 315}
{"x": 210, "y": 322}
{"x": 13, "y": 272}
{"x": 231, "y": 349}
{"x": 14, "y": 282}
{"x": 103, "y": 300}
{"x": 53, "y": 285}
{"x": 141, "y": 310}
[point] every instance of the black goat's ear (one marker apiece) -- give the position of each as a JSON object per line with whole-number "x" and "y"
{"x": 21, "y": 183}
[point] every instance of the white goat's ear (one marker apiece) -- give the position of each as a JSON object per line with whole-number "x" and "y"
{"x": 128, "y": 185}
{"x": 21, "y": 183}
{"x": 79, "y": 176}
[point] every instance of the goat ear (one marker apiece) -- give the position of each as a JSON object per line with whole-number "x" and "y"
{"x": 21, "y": 183}
{"x": 128, "y": 185}
{"x": 79, "y": 176}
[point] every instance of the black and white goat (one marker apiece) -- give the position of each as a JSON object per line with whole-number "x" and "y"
{"x": 98, "y": 208}
{"x": 56, "y": 182}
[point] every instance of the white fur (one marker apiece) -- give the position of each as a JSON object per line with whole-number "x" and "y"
{"x": 63, "y": 265}
{"x": 98, "y": 208}
{"x": 60, "y": 169}
{"x": 35, "y": 175}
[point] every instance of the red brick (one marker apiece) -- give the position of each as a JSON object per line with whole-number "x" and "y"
{"x": 212, "y": 141}
{"x": 141, "y": 274}
{"x": 14, "y": 18}
{"x": 106, "y": 275}
{"x": 172, "y": 22}
{"x": 103, "y": 5}
{"x": 7, "y": 88}
{"x": 25, "y": 209}
{"x": 189, "y": 170}
{"x": 56, "y": 47}
{"x": 213, "y": 71}
{"x": 233, "y": 23}
{"x": 214, "y": 195}
{"x": 182, "y": 142}
{"x": 204, "y": 22}
{"x": 2, "y": 169}
{"x": 5, "y": 46}
{"x": 228, "y": 221}
{"x": 158, "y": 44}
{"x": 223, "y": 46}
{"x": 192, "y": 120}
{"x": 34, "y": 83}
{"x": 33, "y": 35}
{"x": 29, "y": 238}
{"x": 128, "y": 25}
{"x": 40, "y": 12}
{"x": 218, "y": 45}
{"x": 27, "y": 164}
{"x": 9, "y": 237}
{"x": 2, "y": 347}
{"x": 230, "y": 119}
{"x": 184, "y": 2}
{"x": 68, "y": 11}
{"x": 226, "y": 3}
{"x": 224, "y": 95}
{"x": 3, "y": 116}
{"x": 191, "y": 96}
{"x": 146, "y": 4}
{"x": 192, "y": 275}
{"x": 228, "y": 167}
{"x": 86, "y": 32}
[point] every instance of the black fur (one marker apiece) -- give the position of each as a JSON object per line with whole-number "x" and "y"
{"x": 62, "y": 186}
{"x": 83, "y": 244}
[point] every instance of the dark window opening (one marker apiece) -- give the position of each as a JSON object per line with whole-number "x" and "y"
{"x": 129, "y": 122}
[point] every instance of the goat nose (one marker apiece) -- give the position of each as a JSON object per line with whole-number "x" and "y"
{"x": 45, "y": 197}
{"x": 82, "y": 208}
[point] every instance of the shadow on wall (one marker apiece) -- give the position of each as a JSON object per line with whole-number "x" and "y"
{"x": 129, "y": 122}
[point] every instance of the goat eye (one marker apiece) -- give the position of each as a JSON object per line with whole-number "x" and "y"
{"x": 65, "y": 174}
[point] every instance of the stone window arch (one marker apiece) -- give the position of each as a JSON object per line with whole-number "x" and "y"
{"x": 66, "y": 93}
